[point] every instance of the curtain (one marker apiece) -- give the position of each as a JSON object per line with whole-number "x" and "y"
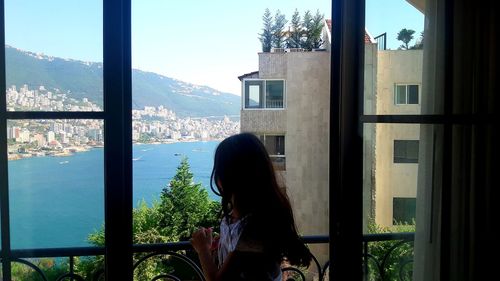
{"x": 457, "y": 182}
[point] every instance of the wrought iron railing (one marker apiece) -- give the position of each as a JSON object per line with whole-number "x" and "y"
{"x": 387, "y": 256}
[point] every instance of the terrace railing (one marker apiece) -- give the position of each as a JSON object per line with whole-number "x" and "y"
{"x": 381, "y": 41}
{"x": 387, "y": 256}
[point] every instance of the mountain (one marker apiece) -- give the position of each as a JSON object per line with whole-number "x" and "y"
{"x": 84, "y": 79}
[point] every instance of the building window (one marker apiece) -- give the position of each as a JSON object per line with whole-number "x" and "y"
{"x": 406, "y": 94}
{"x": 260, "y": 93}
{"x": 403, "y": 210}
{"x": 275, "y": 146}
{"x": 406, "y": 151}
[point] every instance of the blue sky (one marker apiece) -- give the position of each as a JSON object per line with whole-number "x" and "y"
{"x": 202, "y": 42}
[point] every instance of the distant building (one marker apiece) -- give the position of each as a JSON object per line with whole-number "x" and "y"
{"x": 286, "y": 103}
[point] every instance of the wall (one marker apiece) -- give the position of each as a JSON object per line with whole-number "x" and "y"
{"x": 394, "y": 179}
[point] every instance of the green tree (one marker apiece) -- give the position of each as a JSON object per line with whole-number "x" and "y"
{"x": 317, "y": 28}
{"x": 266, "y": 37}
{"x": 185, "y": 206}
{"x": 420, "y": 42}
{"x": 295, "y": 33}
{"x": 182, "y": 208}
{"x": 307, "y": 26}
{"x": 405, "y": 35}
{"x": 278, "y": 33}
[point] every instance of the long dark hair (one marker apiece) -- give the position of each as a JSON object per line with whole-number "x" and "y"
{"x": 243, "y": 171}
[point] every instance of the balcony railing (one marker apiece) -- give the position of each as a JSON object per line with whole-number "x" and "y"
{"x": 387, "y": 256}
{"x": 274, "y": 103}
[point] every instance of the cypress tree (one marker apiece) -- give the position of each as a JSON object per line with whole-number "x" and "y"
{"x": 266, "y": 36}
{"x": 295, "y": 33}
{"x": 278, "y": 34}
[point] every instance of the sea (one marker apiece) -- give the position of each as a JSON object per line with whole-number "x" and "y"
{"x": 56, "y": 202}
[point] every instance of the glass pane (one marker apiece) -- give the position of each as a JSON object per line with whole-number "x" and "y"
{"x": 253, "y": 94}
{"x": 275, "y": 92}
{"x": 412, "y": 94}
{"x": 393, "y": 156}
{"x": 401, "y": 94}
{"x": 53, "y": 62}
{"x": 214, "y": 80}
{"x": 275, "y": 145}
{"x": 404, "y": 210}
{"x": 56, "y": 182}
{"x": 406, "y": 151}
{"x": 393, "y": 58}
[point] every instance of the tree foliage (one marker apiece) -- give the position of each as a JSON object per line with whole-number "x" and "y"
{"x": 405, "y": 36}
{"x": 420, "y": 42}
{"x": 294, "y": 37}
{"x": 302, "y": 33}
{"x": 398, "y": 261}
{"x": 266, "y": 37}
{"x": 185, "y": 206}
{"x": 278, "y": 40}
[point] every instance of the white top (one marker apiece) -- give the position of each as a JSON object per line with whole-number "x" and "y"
{"x": 228, "y": 239}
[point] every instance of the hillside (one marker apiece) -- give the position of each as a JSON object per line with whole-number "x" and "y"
{"x": 84, "y": 79}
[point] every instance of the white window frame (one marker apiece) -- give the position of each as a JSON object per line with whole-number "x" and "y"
{"x": 264, "y": 102}
{"x": 407, "y": 93}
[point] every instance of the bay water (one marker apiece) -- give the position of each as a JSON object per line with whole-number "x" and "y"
{"x": 59, "y": 201}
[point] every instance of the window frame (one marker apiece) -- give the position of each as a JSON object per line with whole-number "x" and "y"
{"x": 407, "y": 93}
{"x": 262, "y": 138}
{"x": 263, "y": 95}
{"x": 117, "y": 119}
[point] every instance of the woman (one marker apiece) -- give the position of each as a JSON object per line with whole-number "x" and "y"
{"x": 258, "y": 231}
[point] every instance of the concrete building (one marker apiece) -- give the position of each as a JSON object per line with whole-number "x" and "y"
{"x": 286, "y": 103}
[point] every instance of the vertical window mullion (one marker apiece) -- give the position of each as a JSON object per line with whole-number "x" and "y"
{"x": 117, "y": 76}
{"x": 4, "y": 179}
{"x": 346, "y": 147}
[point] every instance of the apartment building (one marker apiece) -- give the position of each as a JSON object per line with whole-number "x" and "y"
{"x": 286, "y": 103}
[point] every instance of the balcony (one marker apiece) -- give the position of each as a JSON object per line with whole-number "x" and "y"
{"x": 387, "y": 256}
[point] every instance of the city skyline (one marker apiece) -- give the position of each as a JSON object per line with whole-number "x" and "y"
{"x": 153, "y": 124}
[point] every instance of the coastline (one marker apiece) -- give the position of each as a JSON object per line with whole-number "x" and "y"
{"x": 70, "y": 151}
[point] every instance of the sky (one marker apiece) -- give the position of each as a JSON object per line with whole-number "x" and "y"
{"x": 197, "y": 41}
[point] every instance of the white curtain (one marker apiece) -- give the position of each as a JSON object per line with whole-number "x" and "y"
{"x": 457, "y": 193}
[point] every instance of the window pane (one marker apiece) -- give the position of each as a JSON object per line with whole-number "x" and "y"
{"x": 53, "y": 62}
{"x": 384, "y": 178}
{"x": 401, "y": 94}
{"x": 275, "y": 145}
{"x": 412, "y": 94}
{"x": 406, "y": 151}
{"x": 403, "y": 210}
{"x": 209, "y": 65}
{"x": 275, "y": 94}
{"x": 253, "y": 94}
{"x": 56, "y": 182}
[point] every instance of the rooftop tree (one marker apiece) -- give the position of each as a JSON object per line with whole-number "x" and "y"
{"x": 295, "y": 32}
{"x": 405, "y": 35}
{"x": 266, "y": 37}
{"x": 277, "y": 30}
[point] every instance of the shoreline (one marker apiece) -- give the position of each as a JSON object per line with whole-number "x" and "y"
{"x": 70, "y": 151}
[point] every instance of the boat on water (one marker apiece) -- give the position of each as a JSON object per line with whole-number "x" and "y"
{"x": 177, "y": 154}
{"x": 64, "y": 162}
